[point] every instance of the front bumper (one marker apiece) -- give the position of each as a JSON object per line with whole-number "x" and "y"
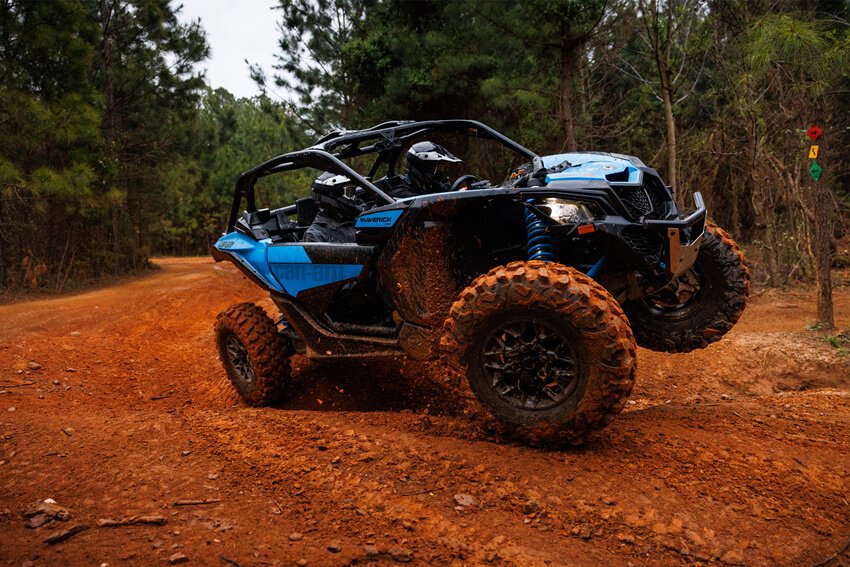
{"x": 684, "y": 237}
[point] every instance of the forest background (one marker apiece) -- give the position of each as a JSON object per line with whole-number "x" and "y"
{"x": 113, "y": 148}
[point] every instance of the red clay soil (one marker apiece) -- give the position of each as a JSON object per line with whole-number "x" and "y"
{"x": 735, "y": 454}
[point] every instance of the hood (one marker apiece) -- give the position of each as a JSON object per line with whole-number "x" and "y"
{"x": 594, "y": 166}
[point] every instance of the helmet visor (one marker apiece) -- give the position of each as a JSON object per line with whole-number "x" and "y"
{"x": 440, "y": 171}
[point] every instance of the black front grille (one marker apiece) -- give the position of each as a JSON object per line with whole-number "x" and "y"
{"x": 636, "y": 201}
{"x": 660, "y": 197}
{"x": 650, "y": 200}
{"x": 641, "y": 241}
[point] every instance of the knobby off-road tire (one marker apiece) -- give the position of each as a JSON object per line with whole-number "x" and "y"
{"x": 255, "y": 356}
{"x": 566, "y": 315}
{"x": 723, "y": 280}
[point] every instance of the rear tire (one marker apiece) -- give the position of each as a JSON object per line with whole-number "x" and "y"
{"x": 255, "y": 356}
{"x": 721, "y": 278}
{"x": 546, "y": 351}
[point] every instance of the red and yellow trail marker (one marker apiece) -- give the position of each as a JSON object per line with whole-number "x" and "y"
{"x": 815, "y": 170}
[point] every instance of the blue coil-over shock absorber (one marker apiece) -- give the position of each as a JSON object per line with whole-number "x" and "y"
{"x": 539, "y": 241}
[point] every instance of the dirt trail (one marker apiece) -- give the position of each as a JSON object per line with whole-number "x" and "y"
{"x": 737, "y": 454}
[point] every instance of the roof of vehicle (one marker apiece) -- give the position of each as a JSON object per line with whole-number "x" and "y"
{"x": 385, "y": 139}
{"x": 397, "y": 133}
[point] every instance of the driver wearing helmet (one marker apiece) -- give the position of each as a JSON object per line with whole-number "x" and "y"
{"x": 425, "y": 165}
{"x": 339, "y": 206}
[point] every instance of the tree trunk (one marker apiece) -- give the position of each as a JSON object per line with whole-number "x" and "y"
{"x": 670, "y": 121}
{"x": 2, "y": 268}
{"x": 663, "y": 50}
{"x": 116, "y": 242}
{"x": 568, "y": 66}
{"x": 822, "y": 244}
{"x": 2, "y": 256}
{"x": 106, "y": 11}
{"x": 823, "y": 266}
{"x": 771, "y": 244}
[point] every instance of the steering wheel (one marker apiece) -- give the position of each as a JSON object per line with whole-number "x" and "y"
{"x": 464, "y": 181}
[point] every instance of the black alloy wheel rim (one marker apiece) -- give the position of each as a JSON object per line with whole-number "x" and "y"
{"x": 530, "y": 364}
{"x": 239, "y": 360}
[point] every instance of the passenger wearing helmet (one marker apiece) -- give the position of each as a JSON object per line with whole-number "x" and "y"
{"x": 339, "y": 206}
{"x": 425, "y": 171}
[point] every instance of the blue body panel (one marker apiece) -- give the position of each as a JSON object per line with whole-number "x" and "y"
{"x": 288, "y": 254}
{"x": 384, "y": 219}
{"x": 594, "y": 167}
{"x": 297, "y": 277}
{"x": 251, "y": 254}
{"x": 285, "y": 268}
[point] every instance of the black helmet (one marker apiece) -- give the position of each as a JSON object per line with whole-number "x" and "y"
{"x": 337, "y": 193}
{"x": 423, "y": 164}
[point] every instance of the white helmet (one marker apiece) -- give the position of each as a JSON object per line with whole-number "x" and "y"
{"x": 422, "y": 163}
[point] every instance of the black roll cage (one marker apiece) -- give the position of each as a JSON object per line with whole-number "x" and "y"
{"x": 387, "y": 139}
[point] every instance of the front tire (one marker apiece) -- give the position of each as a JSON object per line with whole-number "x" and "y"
{"x": 546, "y": 351}
{"x": 700, "y": 307}
{"x": 255, "y": 357}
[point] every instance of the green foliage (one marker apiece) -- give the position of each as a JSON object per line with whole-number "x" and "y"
{"x": 110, "y": 145}
{"x": 232, "y": 135}
{"x": 94, "y": 100}
{"x": 840, "y": 341}
{"x": 314, "y": 34}
{"x": 781, "y": 74}
{"x": 112, "y": 148}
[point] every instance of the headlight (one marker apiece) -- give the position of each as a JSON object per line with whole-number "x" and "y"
{"x": 567, "y": 212}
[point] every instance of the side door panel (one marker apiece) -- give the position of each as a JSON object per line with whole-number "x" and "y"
{"x": 306, "y": 266}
